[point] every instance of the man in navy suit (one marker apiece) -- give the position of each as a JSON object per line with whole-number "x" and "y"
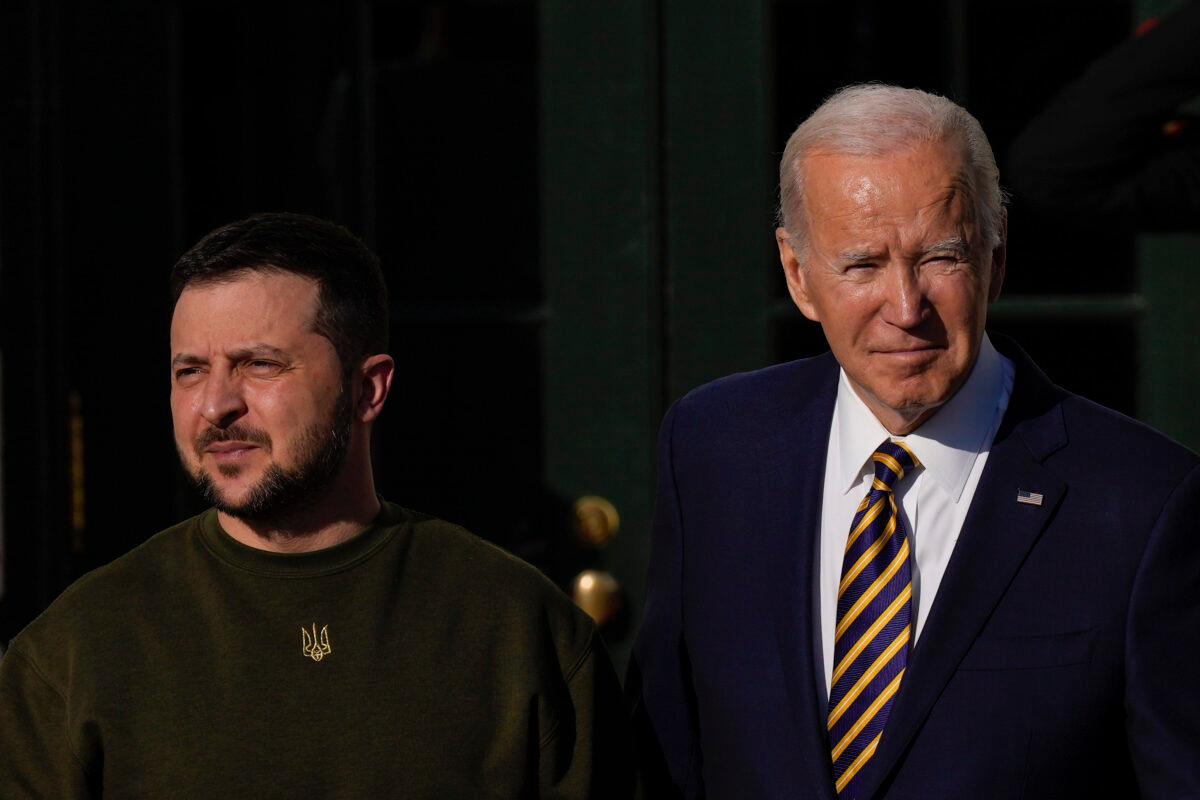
{"x": 914, "y": 567}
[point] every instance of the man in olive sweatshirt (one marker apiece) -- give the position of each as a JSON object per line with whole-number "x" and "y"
{"x": 303, "y": 637}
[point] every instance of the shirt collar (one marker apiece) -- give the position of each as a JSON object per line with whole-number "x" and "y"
{"x": 947, "y": 444}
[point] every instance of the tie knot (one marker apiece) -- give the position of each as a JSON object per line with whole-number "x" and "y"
{"x": 892, "y": 461}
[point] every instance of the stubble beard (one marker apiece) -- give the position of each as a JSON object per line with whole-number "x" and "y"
{"x": 282, "y": 494}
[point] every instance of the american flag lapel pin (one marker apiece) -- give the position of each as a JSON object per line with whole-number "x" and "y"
{"x": 1029, "y": 498}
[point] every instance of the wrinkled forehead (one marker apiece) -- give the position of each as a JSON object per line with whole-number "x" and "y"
{"x": 926, "y": 184}
{"x": 249, "y": 304}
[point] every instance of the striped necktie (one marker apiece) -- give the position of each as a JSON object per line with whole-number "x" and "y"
{"x": 874, "y": 620}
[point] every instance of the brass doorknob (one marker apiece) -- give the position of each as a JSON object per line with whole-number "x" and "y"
{"x": 596, "y": 521}
{"x": 598, "y": 594}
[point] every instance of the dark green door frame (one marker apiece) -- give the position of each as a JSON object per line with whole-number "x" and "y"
{"x": 656, "y": 221}
{"x": 601, "y": 242}
{"x": 719, "y": 189}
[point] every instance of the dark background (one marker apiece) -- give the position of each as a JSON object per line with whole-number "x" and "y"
{"x": 573, "y": 206}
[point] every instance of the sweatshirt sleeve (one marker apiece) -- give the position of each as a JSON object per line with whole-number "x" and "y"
{"x": 36, "y": 756}
{"x": 588, "y": 754}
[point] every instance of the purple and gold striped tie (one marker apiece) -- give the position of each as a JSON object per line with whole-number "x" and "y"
{"x": 874, "y": 620}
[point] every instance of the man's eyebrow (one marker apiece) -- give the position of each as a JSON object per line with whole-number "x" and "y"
{"x": 241, "y": 354}
{"x": 955, "y": 244}
{"x": 256, "y": 351}
{"x": 186, "y": 360}
{"x": 857, "y": 256}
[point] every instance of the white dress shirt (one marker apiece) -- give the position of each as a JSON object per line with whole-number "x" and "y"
{"x": 952, "y": 447}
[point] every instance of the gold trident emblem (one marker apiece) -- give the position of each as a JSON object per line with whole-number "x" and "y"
{"x": 314, "y": 646}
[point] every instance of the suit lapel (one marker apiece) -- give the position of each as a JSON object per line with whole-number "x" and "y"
{"x": 997, "y": 535}
{"x": 792, "y": 460}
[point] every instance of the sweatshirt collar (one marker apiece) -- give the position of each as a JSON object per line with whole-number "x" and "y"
{"x": 299, "y": 565}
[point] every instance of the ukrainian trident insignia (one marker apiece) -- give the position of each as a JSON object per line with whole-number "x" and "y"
{"x": 315, "y": 646}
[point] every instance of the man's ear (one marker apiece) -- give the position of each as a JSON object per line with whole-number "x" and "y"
{"x": 999, "y": 259}
{"x": 374, "y": 379}
{"x": 797, "y": 277}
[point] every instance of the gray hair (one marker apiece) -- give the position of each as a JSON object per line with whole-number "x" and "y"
{"x": 874, "y": 119}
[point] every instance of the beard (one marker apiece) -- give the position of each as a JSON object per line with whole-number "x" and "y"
{"x": 281, "y": 493}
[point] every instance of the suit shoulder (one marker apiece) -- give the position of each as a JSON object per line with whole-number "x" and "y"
{"x": 767, "y": 392}
{"x": 768, "y": 381}
{"x": 1104, "y": 442}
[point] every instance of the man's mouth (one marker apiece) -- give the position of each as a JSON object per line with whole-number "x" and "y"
{"x": 229, "y": 445}
{"x": 917, "y": 352}
{"x": 223, "y": 450}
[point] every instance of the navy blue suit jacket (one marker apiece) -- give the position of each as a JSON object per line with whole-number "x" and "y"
{"x": 1059, "y": 658}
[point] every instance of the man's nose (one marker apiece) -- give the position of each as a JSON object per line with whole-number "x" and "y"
{"x": 222, "y": 403}
{"x": 904, "y": 305}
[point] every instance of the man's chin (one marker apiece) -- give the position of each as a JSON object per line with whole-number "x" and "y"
{"x": 914, "y": 405}
{"x": 233, "y": 505}
{"x": 926, "y": 386}
{"x": 229, "y": 482}
{"x": 230, "y": 470}
{"x": 233, "y": 497}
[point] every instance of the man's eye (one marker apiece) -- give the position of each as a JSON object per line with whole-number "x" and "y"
{"x": 186, "y": 372}
{"x": 262, "y": 367}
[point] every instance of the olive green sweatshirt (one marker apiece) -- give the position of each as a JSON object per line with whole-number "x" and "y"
{"x": 413, "y": 661}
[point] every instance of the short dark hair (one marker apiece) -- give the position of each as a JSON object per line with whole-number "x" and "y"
{"x": 352, "y": 307}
